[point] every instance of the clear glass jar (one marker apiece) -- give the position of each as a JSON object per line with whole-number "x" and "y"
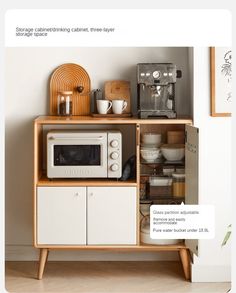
{"x": 178, "y": 185}
{"x": 64, "y": 103}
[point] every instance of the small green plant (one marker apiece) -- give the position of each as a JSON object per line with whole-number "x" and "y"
{"x": 225, "y": 240}
{"x": 227, "y": 235}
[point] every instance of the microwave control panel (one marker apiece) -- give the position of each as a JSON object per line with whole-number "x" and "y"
{"x": 114, "y": 154}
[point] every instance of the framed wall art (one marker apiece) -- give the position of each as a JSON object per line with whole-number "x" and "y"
{"x": 221, "y": 81}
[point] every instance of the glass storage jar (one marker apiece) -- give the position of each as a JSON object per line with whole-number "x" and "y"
{"x": 142, "y": 191}
{"x": 64, "y": 103}
{"x": 178, "y": 185}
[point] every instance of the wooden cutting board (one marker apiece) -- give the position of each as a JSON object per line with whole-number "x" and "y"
{"x": 67, "y": 77}
{"x": 118, "y": 90}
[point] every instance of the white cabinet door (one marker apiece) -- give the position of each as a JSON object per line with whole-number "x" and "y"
{"x": 61, "y": 215}
{"x": 111, "y": 215}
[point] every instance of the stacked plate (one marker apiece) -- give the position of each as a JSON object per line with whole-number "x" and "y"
{"x": 150, "y": 147}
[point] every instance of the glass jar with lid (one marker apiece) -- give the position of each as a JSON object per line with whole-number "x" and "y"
{"x": 64, "y": 103}
{"x": 178, "y": 185}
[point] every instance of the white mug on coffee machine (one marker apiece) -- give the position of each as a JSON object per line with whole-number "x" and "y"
{"x": 118, "y": 106}
{"x": 103, "y": 106}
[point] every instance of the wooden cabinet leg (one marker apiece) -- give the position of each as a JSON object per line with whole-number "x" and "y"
{"x": 185, "y": 259}
{"x": 42, "y": 261}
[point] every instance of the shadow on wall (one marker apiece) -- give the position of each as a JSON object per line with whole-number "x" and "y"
{"x": 19, "y": 178}
{"x": 48, "y": 91}
{"x": 130, "y": 74}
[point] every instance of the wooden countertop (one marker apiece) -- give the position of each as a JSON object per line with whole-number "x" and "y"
{"x": 95, "y": 120}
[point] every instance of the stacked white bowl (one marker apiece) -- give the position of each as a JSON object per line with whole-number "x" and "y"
{"x": 150, "y": 147}
{"x": 173, "y": 152}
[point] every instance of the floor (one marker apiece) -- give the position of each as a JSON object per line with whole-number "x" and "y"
{"x": 102, "y": 277}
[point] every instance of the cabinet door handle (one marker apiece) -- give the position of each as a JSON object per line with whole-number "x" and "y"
{"x": 77, "y": 194}
{"x": 91, "y": 194}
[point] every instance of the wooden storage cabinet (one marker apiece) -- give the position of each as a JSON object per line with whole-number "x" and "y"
{"x": 61, "y": 215}
{"x": 102, "y": 214}
{"x": 111, "y": 215}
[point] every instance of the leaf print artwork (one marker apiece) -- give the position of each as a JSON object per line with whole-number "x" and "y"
{"x": 221, "y": 81}
{"x": 226, "y": 70}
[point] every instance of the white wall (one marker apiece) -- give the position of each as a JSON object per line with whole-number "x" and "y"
{"x": 213, "y": 263}
{"x": 27, "y": 77}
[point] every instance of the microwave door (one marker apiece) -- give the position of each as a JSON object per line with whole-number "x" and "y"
{"x": 79, "y": 157}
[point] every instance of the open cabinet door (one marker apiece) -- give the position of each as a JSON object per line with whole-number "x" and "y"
{"x": 191, "y": 171}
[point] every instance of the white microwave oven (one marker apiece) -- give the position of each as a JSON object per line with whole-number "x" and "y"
{"x": 80, "y": 154}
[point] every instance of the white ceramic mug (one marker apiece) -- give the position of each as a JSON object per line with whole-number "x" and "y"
{"x": 118, "y": 106}
{"x": 103, "y": 106}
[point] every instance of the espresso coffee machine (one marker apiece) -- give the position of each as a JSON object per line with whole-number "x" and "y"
{"x": 156, "y": 90}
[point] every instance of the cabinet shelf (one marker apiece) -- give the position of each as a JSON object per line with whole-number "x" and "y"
{"x": 159, "y": 197}
{"x": 92, "y": 120}
{"x": 163, "y": 162}
{"x": 156, "y": 162}
{"x": 44, "y": 181}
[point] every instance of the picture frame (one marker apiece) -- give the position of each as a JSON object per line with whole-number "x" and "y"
{"x": 221, "y": 81}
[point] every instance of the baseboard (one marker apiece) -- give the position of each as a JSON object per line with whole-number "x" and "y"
{"x": 29, "y": 253}
{"x": 213, "y": 273}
